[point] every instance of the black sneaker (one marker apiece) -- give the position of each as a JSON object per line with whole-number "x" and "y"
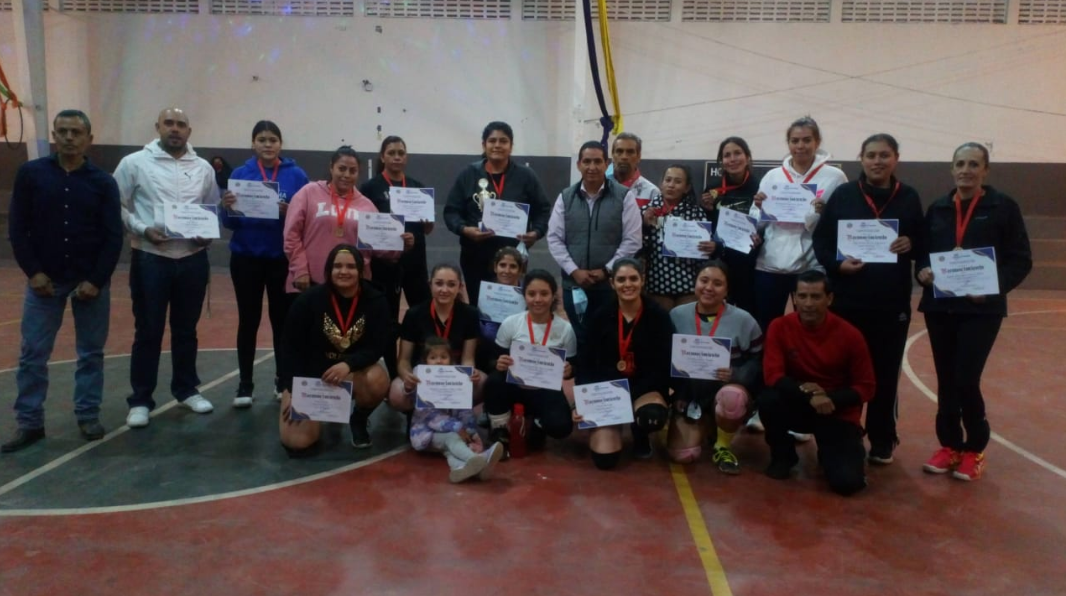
{"x": 535, "y": 437}
{"x": 501, "y": 435}
{"x": 92, "y": 430}
{"x": 780, "y": 468}
{"x": 881, "y": 454}
{"x": 641, "y": 443}
{"x": 23, "y": 439}
{"x": 360, "y": 424}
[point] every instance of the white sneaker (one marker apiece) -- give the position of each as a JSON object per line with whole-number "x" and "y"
{"x": 755, "y": 424}
{"x": 472, "y": 467}
{"x": 242, "y": 401}
{"x": 493, "y": 454}
{"x": 138, "y": 417}
{"x": 801, "y": 437}
{"x": 198, "y": 404}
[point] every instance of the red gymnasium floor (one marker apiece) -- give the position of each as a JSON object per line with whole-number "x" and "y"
{"x": 210, "y": 505}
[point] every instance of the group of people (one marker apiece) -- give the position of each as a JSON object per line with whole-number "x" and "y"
{"x": 334, "y": 309}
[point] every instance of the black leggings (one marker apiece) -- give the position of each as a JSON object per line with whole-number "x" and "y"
{"x": 961, "y": 344}
{"x": 549, "y": 407}
{"x": 252, "y": 275}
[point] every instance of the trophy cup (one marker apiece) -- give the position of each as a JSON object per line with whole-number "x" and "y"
{"x": 484, "y": 193}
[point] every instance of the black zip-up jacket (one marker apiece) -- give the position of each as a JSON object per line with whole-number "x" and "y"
{"x": 997, "y": 222}
{"x": 883, "y": 287}
{"x": 651, "y": 347}
{"x": 520, "y": 185}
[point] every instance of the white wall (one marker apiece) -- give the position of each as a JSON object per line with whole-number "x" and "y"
{"x": 683, "y": 86}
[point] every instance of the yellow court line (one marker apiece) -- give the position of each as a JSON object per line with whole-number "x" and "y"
{"x": 711, "y": 565}
{"x": 11, "y": 322}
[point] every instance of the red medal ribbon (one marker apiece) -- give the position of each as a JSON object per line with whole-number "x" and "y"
{"x": 663, "y": 211}
{"x": 436, "y": 323}
{"x": 809, "y": 174}
{"x": 344, "y": 323}
{"x": 960, "y": 223}
{"x": 625, "y": 341}
{"x": 273, "y": 177}
{"x": 717, "y": 319}
{"x": 341, "y": 212}
{"x": 498, "y": 187}
{"x": 870, "y": 201}
{"x": 724, "y": 189}
{"x": 403, "y": 179}
{"x": 533, "y": 338}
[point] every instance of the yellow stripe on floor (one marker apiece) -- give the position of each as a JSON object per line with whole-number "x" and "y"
{"x": 711, "y": 565}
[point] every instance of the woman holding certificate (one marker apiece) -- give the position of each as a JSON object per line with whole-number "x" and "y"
{"x": 632, "y": 336}
{"x": 735, "y": 191}
{"x": 509, "y": 266}
{"x": 870, "y": 232}
{"x": 542, "y": 393}
{"x": 729, "y": 394}
{"x": 788, "y": 205}
{"x": 444, "y": 316}
{"x": 494, "y": 177}
{"x": 322, "y": 215}
{"x": 337, "y": 332}
{"x": 257, "y": 255}
{"x": 981, "y": 231}
{"x": 672, "y": 268}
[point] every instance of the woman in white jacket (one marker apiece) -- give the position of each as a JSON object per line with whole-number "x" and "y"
{"x": 787, "y": 249}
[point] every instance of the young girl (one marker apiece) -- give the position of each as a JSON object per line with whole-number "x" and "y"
{"x": 452, "y": 432}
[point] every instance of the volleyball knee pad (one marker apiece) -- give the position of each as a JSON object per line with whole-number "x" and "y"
{"x": 686, "y": 455}
{"x": 731, "y": 402}
{"x": 651, "y": 417}
{"x": 606, "y": 461}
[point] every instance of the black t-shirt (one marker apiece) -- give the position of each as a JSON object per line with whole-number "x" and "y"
{"x": 418, "y": 325}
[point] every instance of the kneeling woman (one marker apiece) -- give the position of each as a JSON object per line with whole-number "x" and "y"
{"x": 632, "y": 336}
{"x": 337, "y": 331}
{"x": 730, "y": 395}
{"x": 548, "y": 408}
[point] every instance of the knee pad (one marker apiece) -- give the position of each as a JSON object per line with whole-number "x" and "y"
{"x": 651, "y": 417}
{"x": 686, "y": 455}
{"x": 731, "y": 402}
{"x": 606, "y": 461}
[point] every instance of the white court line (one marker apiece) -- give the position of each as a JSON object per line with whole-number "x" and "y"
{"x": 10, "y": 486}
{"x": 125, "y": 355}
{"x": 203, "y": 499}
{"x": 1036, "y": 459}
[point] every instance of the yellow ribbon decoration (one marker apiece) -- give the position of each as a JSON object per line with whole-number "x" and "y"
{"x": 612, "y": 87}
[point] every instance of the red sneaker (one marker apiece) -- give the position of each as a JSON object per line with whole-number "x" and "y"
{"x": 971, "y": 467}
{"x": 943, "y": 461}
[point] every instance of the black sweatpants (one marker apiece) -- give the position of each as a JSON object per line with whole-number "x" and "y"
{"x": 961, "y": 344}
{"x": 886, "y": 336}
{"x": 548, "y": 407}
{"x": 840, "y": 449}
{"x": 251, "y": 276}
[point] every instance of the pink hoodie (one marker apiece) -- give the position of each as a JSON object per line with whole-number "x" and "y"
{"x": 309, "y": 231}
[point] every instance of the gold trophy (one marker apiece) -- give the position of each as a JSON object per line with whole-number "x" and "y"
{"x": 484, "y": 193}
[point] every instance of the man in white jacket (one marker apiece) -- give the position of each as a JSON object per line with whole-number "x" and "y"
{"x": 165, "y": 272}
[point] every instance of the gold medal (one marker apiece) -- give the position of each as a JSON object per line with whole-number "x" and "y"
{"x": 714, "y": 194}
{"x": 622, "y": 365}
{"x": 345, "y": 343}
{"x": 339, "y": 232}
{"x": 957, "y": 248}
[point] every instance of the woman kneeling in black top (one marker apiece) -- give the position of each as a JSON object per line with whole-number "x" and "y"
{"x": 337, "y": 331}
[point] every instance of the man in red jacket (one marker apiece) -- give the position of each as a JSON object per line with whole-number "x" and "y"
{"x": 818, "y": 375}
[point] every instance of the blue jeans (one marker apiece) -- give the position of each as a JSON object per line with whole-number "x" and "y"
{"x": 155, "y": 283}
{"x": 41, "y": 320}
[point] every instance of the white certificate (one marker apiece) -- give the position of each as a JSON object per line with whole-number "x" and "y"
{"x": 508, "y": 219}
{"x": 967, "y": 272}
{"x": 867, "y": 240}
{"x": 699, "y": 356}
{"x": 314, "y": 400}
{"x": 380, "y": 231}
{"x": 536, "y": 366}
{"x": 735, "y": 229}
{"x": 444, "y": 387}
{"x": 190, "y": 220}
{"x": 256, "y": 199}
{"x": 497, "y": 301}
{"x": 788, "y": 202}
{"x": 681, "y": 238}
{"x": 603, "y": 404}
{"x": 414, "y": 204}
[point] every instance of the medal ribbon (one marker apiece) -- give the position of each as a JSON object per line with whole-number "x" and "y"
{"x": 274, "y": 177}
{"x": 403, "y": 179}
{"x": 533, "y": 338}
{"x": 436, "y": 323}
{"x": 625, "y": 341}
{"x": 960, "y": 223}
{"x": 498, "y": 187}
{"x": 724, "y": 188}
{"x": 717, "y": 319}
{"x": 809, "y": 174}
{"x": 344, "y": 323}
{"x": 870, "y": 201}
{"x": 341, "y": 212}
